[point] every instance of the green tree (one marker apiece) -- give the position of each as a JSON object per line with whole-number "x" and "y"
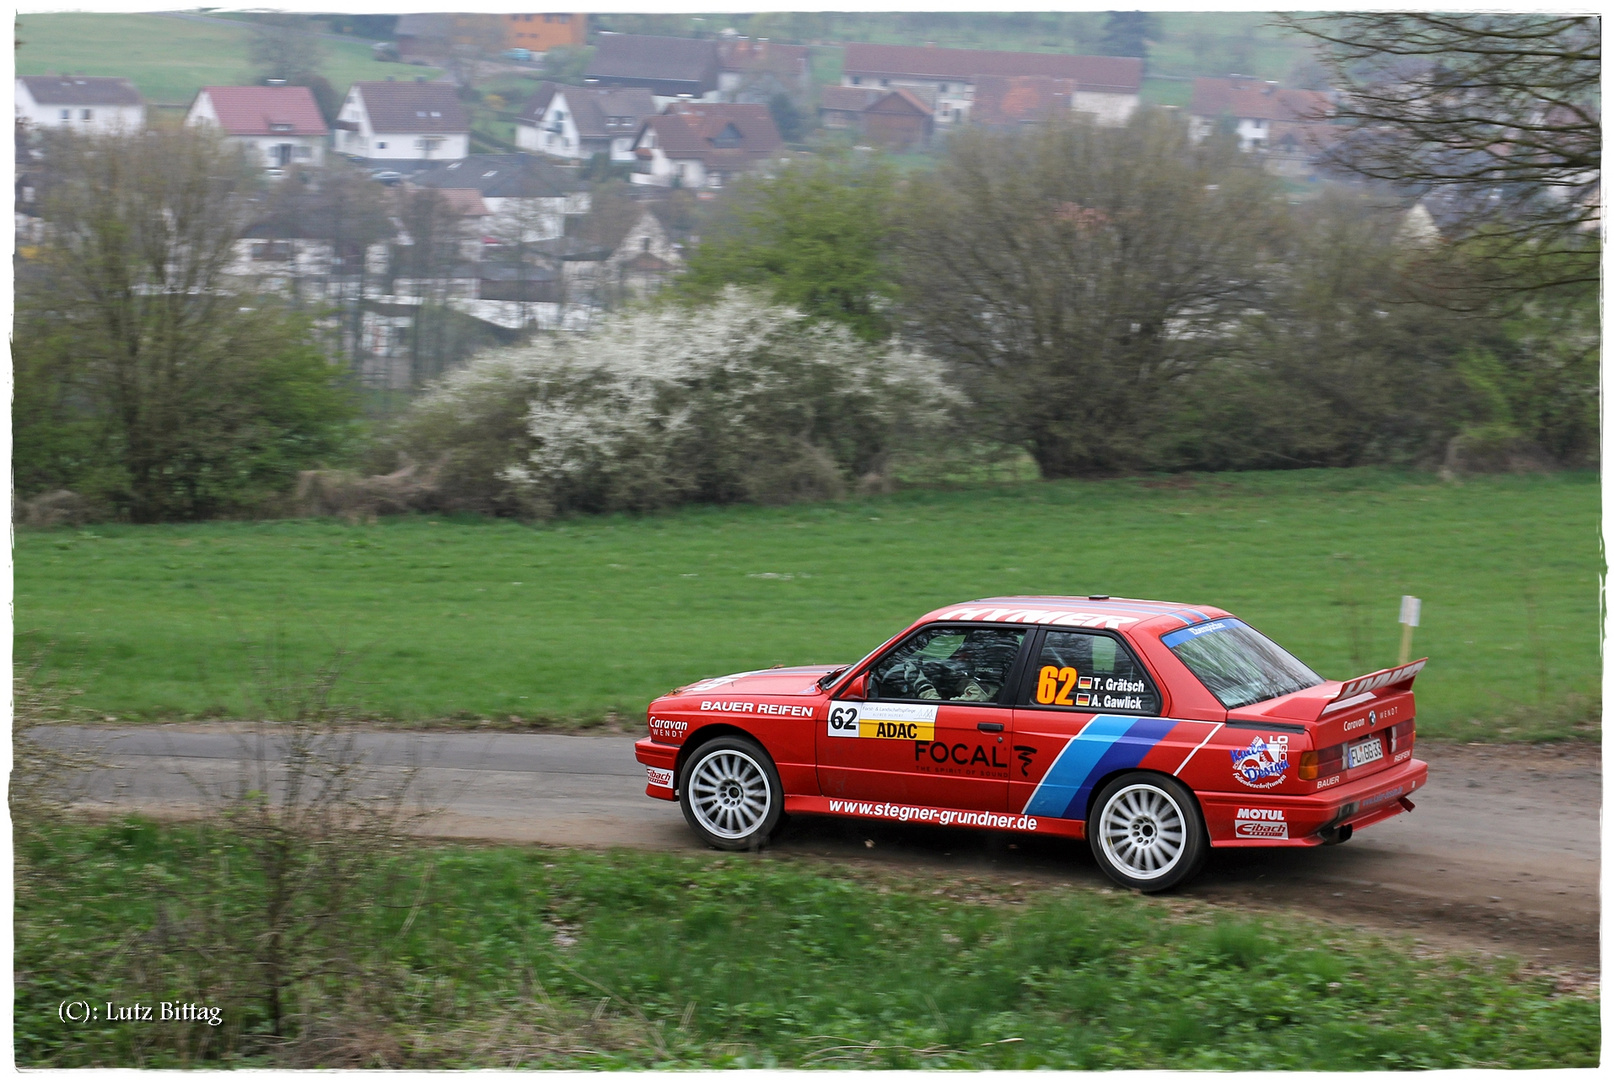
{"x": 1126, "y": 33}
{"x": 145, "y": 378}
{"x": 816, "y": 237}
{"x": 1078, "y": 276}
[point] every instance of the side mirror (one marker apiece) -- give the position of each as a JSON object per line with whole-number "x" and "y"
{"x": 855, "y": 690}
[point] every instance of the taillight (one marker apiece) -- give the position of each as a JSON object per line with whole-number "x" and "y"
{"x": 1316, "y": 764}
{"x": 1401, "y": 736}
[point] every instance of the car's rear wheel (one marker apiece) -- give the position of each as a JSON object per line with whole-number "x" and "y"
{"x": 730, "y": 794}
{"x": 1146, "y": 832}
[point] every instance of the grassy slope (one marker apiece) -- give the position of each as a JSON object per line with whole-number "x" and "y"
{"x": 540, "y": 957}
{"x": 168, "y": 58}
{"x": 583, "y": 617}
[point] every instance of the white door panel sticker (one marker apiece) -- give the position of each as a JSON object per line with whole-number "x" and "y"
{"x": 881, "y": 720}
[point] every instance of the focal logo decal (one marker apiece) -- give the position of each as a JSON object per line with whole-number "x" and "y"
{"x": 1262, "y": 763}
{"x": 875, "y": 720}
{"x": 659, "y": 777}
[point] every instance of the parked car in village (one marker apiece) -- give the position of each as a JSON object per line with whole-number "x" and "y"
{"x": 1153, "y": 730}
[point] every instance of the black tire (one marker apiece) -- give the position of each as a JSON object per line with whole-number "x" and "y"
{"x": 1147, "y": 832}
{"x": 730, "y": 794}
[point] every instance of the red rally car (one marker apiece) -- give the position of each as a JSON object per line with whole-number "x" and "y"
{"x": 1154, "y": 730}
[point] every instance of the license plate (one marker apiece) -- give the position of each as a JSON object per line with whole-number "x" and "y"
{"x": 1363, "y": 752}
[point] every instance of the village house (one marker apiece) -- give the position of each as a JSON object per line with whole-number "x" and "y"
{"x": 1290, "y": 127}
{"x": 607, "y": 261}
{"x": 1013, "y": 101}
{"x": 893, "y": 119}
{"x": 577, "y": 122}
{"x": 752, "y": 71}
{"x": 1105, "y": 87}
{"x": 704, "y": 145}
{"x": 539, "y": 33}
{"x": 88, "y": 103}
{"x": 672, "y": 69}
{"x": 526, "y": 199}
{"x": 431, "y": 37}
{"x": 280, "y": 126}
{"x": 403, "y": 124}
{"x": 303, "y": 246}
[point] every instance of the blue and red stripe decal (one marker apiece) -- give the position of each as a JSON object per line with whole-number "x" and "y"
{"x": 1107, "y": 744}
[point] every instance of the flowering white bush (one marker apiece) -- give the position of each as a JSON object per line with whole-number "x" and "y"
{"x": 741, "y": 400}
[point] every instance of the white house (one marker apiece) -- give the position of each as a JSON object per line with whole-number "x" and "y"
{"x": 704, "y": 145}
{"x": 87, "y": 103}
{"x": 575, "y": 122}
{"x": 1104, "y": 87}
{"x": 281, "y": 125}
{"x": 403, "y": 123}
{"x": 526, "y": 199}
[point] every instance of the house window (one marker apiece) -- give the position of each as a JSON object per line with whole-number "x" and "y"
{"x": 380, "y": 146}
{"x": 304, "y": 153}
{"x": 644, "y": 244}
{"x": 87, "y": 115}
{"x": 857, "y": 80}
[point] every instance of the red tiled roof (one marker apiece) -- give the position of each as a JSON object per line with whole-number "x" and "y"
{"x": 747, "y": 54}
{"x": 410, "y": 107}
{"x": 691, "y": 130}
{"x": 647, "y": 58}
{"x": 1252, "y": 99}
{"x": 1114, "y": 74}
{"x": 266, "y": 110}
{"x": 849, "y": 98}
{"x": 1019, "y": 99}
{"x": 463, "y": 202}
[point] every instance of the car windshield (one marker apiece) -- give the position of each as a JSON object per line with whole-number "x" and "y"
{"x": 1237, "y": 664}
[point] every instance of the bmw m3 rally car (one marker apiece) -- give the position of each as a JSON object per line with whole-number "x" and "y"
{"x": 1153, "y": 730}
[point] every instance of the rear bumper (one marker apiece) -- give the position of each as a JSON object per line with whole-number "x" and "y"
{"x": 1253, "y": 820}
{"x": 659, "y": 761}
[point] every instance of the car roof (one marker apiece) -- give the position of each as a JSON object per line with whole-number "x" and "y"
{"x": 1109, "y": 612}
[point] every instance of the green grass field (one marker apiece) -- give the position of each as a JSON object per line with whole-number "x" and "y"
{"x": 170, "y": 58}
{"x": 578, "y": 619}
{"x": 469, "y": 957}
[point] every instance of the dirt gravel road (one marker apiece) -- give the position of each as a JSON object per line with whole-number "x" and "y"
{"x": 1501, "y": 854}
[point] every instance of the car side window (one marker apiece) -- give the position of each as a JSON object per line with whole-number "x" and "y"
{"x": 947, "y": 663}
{"x": 1090, "y": 673}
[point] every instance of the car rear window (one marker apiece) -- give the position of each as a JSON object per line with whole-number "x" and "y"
{"x": 1239, "y": 665}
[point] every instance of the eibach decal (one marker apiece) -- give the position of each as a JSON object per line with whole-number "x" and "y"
{"x": 1257, "y": 823}
{"x": 659, "y": 777}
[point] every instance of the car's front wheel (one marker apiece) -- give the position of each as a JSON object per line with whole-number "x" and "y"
{"x": 730, "y": 794}
{"x": 1146, "y": 832}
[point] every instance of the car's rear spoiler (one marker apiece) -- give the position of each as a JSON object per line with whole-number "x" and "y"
{"x": 1365, "y": 686}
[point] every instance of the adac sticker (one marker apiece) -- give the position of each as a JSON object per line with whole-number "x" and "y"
{"x": 877, "y": 720}
{"x": 1262, "y": 763}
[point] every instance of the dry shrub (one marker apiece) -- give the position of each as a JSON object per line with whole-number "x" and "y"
{"x": 344, "y": 494}
{"x": 57, "y": 508}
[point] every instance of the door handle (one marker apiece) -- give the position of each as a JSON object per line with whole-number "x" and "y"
{"x": 984, "y": 726}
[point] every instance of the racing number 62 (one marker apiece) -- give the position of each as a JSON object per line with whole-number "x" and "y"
{"x": 1054, "y": 685}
